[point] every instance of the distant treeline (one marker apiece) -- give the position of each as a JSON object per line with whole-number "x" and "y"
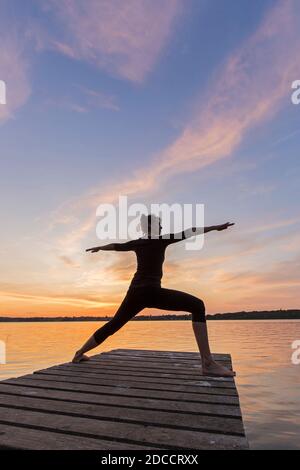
{"x": 256, "y": 315}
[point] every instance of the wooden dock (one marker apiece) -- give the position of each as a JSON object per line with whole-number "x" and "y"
{"x": 125, "y": 399}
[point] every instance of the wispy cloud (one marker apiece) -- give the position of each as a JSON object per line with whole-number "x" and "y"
{"x": 85, "y": 100}
{"x": 75, "y": 301}
{"x": 115, "y": 36}
{"x": 248, "y": 89}
{"x": 67, "y": 104}
{"x": 99, "y": 99}
{"x": 124, "y": 38}
{"x": 280, "y": 281}
{"x": 278, "y": 224}
{"x": 68, "y": 261}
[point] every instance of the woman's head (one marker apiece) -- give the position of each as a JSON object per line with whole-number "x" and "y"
{"x": 150, "y": 225}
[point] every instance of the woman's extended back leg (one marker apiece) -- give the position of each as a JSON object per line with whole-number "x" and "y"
{"x": 130, "y": 306}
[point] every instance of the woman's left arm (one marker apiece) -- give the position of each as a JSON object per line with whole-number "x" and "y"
{"x": 218, "y": 227}
{"x": 193, "y": 231}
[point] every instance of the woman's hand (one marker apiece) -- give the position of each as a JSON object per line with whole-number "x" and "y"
{"x": 224, "y": 226}
{"x": 94, "y": 250}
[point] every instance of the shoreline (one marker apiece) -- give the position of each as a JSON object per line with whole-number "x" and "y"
{"x": 255, "y": 315}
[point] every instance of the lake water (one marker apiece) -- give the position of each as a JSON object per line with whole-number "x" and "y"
{"x": 267, "y": 381}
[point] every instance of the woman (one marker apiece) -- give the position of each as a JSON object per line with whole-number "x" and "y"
{"x": 145, "y": 290}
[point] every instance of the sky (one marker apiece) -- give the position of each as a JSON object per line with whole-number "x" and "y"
{"x": 162, "y": 101}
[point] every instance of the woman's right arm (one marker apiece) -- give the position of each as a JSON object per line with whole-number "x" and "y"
{"x": 110, "y": 247}
{"x": 127, "y": 246}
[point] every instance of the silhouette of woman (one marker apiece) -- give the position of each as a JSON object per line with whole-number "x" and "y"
{"x": 145, "y": 290}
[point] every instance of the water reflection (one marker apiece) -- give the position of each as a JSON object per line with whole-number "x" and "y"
{"x": 267, "y": 381}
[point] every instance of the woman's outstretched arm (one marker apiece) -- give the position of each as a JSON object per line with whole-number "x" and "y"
{"x": 218, "y": 227}
{"x": 193, "y": 231}
{"x": 127, "y": 246}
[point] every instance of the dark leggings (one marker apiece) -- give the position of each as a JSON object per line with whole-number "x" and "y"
{"x": 154, "y": 297}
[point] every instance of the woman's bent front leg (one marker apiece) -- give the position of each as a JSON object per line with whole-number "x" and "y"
{"x": 168, "y": 299}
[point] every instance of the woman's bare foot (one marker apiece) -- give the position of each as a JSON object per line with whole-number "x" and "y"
{"x": 79, "y": 357}
{"x": 214, "y": 369}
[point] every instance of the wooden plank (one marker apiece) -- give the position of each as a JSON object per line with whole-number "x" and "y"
{"x": 128, "y": 361}
{"x": 126, "y": 390}
{"x": 135, "y": 392}
{"x": 123, "y": 432}
{"x": 137, "y": 363}
{"x": 132, "y": 372}
{"x": 90, "y": 398}
{"x": 124, "y": 396}
{"x": 231, "y": 426}
{"x": 14, "y": 437}
{"x": 140, "y": 372}
{"x": 155, "y": 361}
{"x": 203, "y": 398}
{"x": 136, "y": 378}
{"x": 140, "y": 367}
{"x": 143, "y": 373}
{"x": 228, "y": 395}
{"x": 183, "y": 354}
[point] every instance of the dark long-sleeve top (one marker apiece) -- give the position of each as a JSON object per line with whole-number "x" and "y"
{"x": 150, "y": 254}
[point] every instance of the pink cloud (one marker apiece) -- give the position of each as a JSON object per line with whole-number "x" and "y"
{"x": 124, "y": 38}
{"x": 248, "y": 89}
